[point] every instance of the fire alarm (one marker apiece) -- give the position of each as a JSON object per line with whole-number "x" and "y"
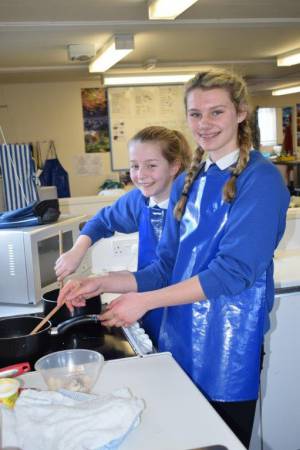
{"x": 81, "y": 52}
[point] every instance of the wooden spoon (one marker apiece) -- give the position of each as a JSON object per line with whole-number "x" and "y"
{"x": 45, "y": 319}
{"x": 57, "y": 307}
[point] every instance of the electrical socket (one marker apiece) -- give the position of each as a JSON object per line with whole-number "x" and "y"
{"x": 122, "y": 247}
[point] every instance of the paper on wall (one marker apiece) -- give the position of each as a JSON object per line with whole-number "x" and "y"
{"x": 88, "y": 164}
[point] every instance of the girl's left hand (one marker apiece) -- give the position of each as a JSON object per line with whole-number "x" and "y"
{"x": 124, "y": 310}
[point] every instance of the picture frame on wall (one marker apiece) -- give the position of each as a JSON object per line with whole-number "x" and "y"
{"x": 95, "y": 120}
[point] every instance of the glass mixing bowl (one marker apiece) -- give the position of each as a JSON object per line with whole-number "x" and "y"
{"x": 73, "y": 370}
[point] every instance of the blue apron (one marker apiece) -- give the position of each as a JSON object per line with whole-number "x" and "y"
{"x": 151, "y": 224}
{"x": 216, "y": 341}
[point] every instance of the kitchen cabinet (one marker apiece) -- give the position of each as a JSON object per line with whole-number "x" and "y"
{"x": 278, "y": 409}
{"x": 280, "y": 380}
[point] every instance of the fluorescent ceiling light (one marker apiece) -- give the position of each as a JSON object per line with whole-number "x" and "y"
{"x": 150, "y": 79}
{"x": 168, "y": 9}
{"x": 113, "y": 51}
{"x": 285, "y": 91}
{"x": 289, "y": 59}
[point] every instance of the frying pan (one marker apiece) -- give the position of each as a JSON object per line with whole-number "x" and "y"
{"x": 17, "y": 345}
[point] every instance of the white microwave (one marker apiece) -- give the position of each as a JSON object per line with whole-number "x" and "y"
{"x": 28, "y": 255}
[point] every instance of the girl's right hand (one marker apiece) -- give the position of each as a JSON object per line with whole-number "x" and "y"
{"x": 67, "y": 263}
{"x": 77, "y": 291}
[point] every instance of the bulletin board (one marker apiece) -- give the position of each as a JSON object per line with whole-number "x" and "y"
{"x": 133, "y": 108}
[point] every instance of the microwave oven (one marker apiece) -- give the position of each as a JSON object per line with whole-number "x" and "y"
{"x": 28, "y": 257}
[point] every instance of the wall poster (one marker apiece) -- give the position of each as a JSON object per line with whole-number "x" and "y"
{"x": 95, "y": 120}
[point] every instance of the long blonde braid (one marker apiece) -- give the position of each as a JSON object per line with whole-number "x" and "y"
{"x": 237, "y": 89}
{"x": 244, "y": 140}
{"x": 189, "y": 179}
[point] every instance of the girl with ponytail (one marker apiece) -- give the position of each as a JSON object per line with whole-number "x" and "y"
{"x": 157, "y": 155}
{"x": 214, "y": 275}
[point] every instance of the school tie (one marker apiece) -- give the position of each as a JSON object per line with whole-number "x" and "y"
{"x": 157, "y": 216}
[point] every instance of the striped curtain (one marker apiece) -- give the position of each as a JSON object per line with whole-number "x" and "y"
{"x": 18, "y": 174}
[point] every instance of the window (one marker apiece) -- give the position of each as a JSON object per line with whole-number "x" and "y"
{"x": 267, "y": 126}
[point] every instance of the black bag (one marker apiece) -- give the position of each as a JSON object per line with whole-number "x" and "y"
{"x": 54, "y": 174}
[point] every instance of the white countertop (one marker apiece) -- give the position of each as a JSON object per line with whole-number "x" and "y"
{"x": 177, "y": 416}
{"x": 286, "y": 268}
{"x": 293, "y": 212}
{"x": 16, "y": 310}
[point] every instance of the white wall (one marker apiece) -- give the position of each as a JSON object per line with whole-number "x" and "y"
{"x": 44, "y": 111}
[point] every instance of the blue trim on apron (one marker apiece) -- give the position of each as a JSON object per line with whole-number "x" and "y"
{"x": 216, "y": 341}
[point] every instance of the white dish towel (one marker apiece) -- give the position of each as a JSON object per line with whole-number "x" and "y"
{"x": 48, "y": 420}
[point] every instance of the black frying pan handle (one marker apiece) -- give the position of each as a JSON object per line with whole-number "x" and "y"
{"x": 64, "y": 326}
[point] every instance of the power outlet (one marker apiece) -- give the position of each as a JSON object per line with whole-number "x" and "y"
{"x": 122, "y": 247}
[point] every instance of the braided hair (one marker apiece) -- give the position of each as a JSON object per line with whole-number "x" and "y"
{"x": 237, "y": 89}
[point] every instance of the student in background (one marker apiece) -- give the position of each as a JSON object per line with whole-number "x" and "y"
{"x": 156, "y": 155}
{"x": 214, "y": 275}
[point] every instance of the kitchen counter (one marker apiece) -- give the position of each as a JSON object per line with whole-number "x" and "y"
{"x": 90, "y": 204}
{"x": 177, "y": 416}
{"x": 286, "y": 269}
{"x": 294, "y": 211}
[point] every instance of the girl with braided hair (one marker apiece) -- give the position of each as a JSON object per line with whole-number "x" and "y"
{"x": 214, "y": 275}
